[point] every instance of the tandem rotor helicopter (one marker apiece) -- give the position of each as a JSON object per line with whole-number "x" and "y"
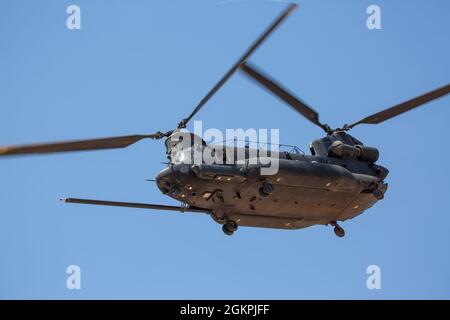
{"x": 337, "y": 182}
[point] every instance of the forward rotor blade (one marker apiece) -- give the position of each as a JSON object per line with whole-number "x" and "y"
{"x": 241, "y": 60}
{"x": 283, "y": 94}
{"x": 77, "y": 145}
{"x": 134, "y": 205}
{"x": 403, "y": 107}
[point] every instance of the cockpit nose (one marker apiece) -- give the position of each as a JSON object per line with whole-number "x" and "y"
{"x": 165, "y": 180}
{"x": 170, "y": 179}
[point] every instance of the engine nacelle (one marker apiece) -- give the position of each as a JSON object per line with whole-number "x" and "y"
{"x": 342, "y": 150}
{"x": 368, "y": 154}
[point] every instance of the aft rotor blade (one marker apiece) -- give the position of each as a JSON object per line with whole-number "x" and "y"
{"x": 134, "y": 205}
{"x": 241, "y": 60}
{"x": 76, "y": 145}
{"x": 403, "y": 107}
{"x": 270, "y": 84}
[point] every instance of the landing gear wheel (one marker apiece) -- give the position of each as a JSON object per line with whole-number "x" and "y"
{"x": 229, "y": 227}
{"x": 226, "y": 231}
{"x": 378, "y": 194}
{"x": 339, "y": 231}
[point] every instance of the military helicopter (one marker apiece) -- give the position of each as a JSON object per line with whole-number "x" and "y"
{"x": 337, "y": 182}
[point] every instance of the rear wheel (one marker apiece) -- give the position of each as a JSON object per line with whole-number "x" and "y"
{"x": 339, "y": 231}
{"x": 266, "y": 189}
{"x": 378, "y": 194}
{"x": 226, "y": 230}
{"x": 229, "y": 227}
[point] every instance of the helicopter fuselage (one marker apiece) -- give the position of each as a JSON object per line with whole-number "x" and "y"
{"x": 306, "y": 190}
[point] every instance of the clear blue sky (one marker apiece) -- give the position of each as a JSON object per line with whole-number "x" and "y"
{"x": 140, "y": 66}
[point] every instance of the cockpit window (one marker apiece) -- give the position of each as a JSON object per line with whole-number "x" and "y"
{"x": 184, "y": 147}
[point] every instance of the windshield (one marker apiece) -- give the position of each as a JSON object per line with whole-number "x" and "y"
{"x": 184, "y": 147}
